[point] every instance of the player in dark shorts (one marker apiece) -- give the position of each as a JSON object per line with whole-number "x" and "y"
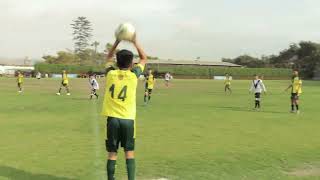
{"x": 257, "y": 86}
{"x": 64, "y": 83}
{"x": 119, "y": 107}
{"x": 149, "y": 85}
{"x": 296, "y": 90}
{"x": 94, "y": 86}
{"x": 227, "y": 84}
{"x": 167, "y": 78}
{"x": 20, "y": 81}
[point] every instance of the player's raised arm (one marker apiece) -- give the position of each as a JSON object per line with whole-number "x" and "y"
{"x": 112, "y": 51}
{"x": 142, "y": 54}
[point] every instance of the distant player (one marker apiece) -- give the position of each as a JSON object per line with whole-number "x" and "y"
{"x": 296, "y": 90}
{"x": 149, "y": 84}
{"x": 20, "y": 81}
{"x": 119, "y": 106}
{"x": 64, "y": 83}
{"x": 257, "y": 87}
{"x": 38, "y": 76}
{"x": 227, "y": 84}
{"x": 167, "y": 78}
{"x": 94, "y": 86}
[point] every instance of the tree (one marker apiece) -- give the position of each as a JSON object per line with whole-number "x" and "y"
{"x": 246, "y": 60}
{"x": 62, "y": 57}
{"x": 308, "y": 61}
{"x": 304, "y": 57}
{"x": 81, "y": 33}
{"x": 95, "y": 44}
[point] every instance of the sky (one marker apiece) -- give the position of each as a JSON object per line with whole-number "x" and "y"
{"x": 169, "y": 29}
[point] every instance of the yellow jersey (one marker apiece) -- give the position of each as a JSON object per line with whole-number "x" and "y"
{"x": 65, "y": 79}
{"x": 227, "y": 81}
{"x": 150, "y": 81}
{"x": 20, "y": 78}
{"x": 296, "y": 85}
{"x": 120, "y": 96}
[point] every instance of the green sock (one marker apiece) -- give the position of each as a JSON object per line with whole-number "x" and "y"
{"x": 131, "y": 168}
{"x": 111, "y": 168}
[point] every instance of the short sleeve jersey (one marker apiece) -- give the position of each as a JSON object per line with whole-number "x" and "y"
{"x": 20, "y": 78}
{"x": 227, "y": 81}
{"x": 150, "y": 81}
{"x": 296, "y": 85}
{"x": 65, "y": 78}
{"x": 120, "y": 95}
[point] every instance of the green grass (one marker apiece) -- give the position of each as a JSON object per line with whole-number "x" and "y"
{"x": 191, "y": 131}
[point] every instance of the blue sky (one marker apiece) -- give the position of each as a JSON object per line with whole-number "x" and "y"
{"x": 178, "y": 29}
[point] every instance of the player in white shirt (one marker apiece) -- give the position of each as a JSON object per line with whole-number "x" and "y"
{"x": 38, "y": 76}
{"x": 257, "y": 87}
{"x": 167, "y": 78}
{"x": 94, "y": 86}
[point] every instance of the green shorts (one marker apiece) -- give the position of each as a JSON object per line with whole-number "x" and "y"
{"x": 64, "y": 84}
{"x": 149, "y": 91}
{"x": 294, "y": 96}
{"x": 120, "y": 132}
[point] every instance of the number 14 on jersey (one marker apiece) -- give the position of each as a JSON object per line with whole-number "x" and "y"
{"x": 122, "y": 94}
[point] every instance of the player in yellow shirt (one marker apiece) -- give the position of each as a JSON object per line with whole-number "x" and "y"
{"x": 296, "y": 90}
{"x": 119, "y": 106}
{"x": 227, "y": 84}
{"x": 20, "y": 81}
{"x": 149, "y": 84}
{"x": 64, "y": 83}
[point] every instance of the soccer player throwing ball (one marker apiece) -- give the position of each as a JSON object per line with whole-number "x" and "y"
{"x": 94, "y": 86}
{"x": 148, "y": 86}
{"x": 296, "y": 90}
{"x": 20, "y": 81}
{"x": 119, "y": 106}
{"x": 64, "y": 83}
{"x": 257, "y": 87}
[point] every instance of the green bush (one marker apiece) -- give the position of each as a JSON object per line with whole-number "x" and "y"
{"x": 209, "y": 72}
{"x": 180, "y": 70}
{"x": 57, "y": 68}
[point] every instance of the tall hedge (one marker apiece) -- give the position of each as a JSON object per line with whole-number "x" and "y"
{"x": 183, "y": 70}
{"x": 57, "y": 68}
{"x": 206, "y": 71}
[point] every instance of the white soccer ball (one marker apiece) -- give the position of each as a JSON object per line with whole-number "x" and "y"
{"x": 125, "y": 31}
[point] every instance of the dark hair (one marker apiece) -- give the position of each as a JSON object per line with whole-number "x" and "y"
{"x": 124, "y": 59}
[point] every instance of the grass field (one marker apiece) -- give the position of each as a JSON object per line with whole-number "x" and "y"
{"x": 192, "y": 131}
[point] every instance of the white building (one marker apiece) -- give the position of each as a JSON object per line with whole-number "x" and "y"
{"x": 10, "y": 70}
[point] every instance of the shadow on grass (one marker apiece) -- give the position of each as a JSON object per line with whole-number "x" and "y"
{"x": 17, "y": 174}
{"x": 245, "y": 109}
